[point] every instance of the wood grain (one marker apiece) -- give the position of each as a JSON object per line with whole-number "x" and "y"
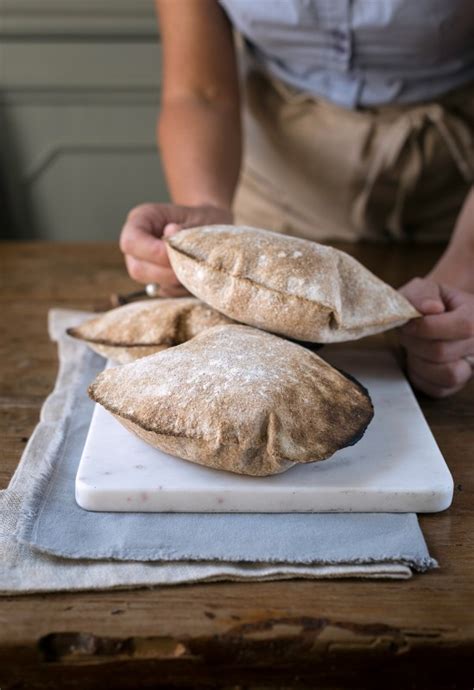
{"x": 292, "y": 634}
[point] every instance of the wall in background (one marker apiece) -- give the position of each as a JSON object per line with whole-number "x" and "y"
{"x": 79, "y": 96}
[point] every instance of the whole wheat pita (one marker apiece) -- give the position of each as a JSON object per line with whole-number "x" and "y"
{"x": 238, "y": 399}
{"x": 143, "y": 328}
{"x": 286, "y": 285}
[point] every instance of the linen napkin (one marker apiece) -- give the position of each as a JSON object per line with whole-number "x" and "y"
{"x": 48, "y": 543}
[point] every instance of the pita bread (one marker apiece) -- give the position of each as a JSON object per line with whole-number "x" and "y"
{"x": 238, "y": 399}
{"x": 143, "y": 328}
{"x": 286, "y": 285}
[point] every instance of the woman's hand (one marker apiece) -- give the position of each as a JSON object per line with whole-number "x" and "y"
{"x": 142, "y": 243}
{"x": 439, "y": 344}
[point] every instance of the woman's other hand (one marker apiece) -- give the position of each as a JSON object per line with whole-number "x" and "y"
{"x": 141, "y": 240}
{"x": 440, "y": 344}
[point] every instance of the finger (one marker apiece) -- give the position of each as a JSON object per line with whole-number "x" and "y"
{"x": 425, "y": 295}
{"x": 171, "y": 229}
{"x": 146, "y": 272}
{"x": 153, "y": 217}
{"x": 138, "y": 243}
{"x": 429, "y": 388}
{"x": 452, "y": 297}
{"x": 437, "y": 351}
{"x": 450, "y": 375}
{"x": 451, "y": 325}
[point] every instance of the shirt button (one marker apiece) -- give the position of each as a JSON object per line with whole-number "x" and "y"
{"x": 339, "y": 35}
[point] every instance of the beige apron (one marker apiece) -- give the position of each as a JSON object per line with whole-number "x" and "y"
{"x": 316, "y": 170}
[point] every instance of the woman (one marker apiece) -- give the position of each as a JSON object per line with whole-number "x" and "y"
{"x": 359, "y": 124}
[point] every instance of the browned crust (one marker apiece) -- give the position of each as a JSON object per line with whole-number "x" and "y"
{"x": 303, "y": 300}
{"x": 180, "y": 335}
{"x": 350, "y": 440}
{"x": 113, "y": 409}
{"x": 253, "y": 283}
{"x": 75, "y": 333}
{"x": 161, "y": 440}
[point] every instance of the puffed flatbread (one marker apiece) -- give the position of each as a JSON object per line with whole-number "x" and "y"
{"x": 143, "y": 328}
{"x": 238, "y": 399}
{"x": 286, "y": 285}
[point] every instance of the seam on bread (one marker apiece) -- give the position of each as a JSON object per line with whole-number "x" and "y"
{"x": 395, "y": 321}
{"x": 350, "y": 440}
{"x": 114, "y": 343}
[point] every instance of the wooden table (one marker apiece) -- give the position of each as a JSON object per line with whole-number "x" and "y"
{"x": 291, "y": 634}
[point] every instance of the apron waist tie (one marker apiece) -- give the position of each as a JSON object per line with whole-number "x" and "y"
{"x": 402, "y": 141}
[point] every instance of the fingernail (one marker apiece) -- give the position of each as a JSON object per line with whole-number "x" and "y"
{"x": 170, "y": 229}
{"x": 432, "y": 305}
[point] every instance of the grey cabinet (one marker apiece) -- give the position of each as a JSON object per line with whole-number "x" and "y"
{"x": 79, "y": 97}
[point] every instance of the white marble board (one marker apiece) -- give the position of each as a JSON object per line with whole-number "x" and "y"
{"x": 396, "y": 467}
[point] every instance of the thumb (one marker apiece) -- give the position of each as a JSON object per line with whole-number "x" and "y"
{"x": 425, "y": 295}
{"x": 171, "y": 229}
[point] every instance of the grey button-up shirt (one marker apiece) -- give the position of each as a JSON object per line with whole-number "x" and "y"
{"x": 361, "y": 52}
